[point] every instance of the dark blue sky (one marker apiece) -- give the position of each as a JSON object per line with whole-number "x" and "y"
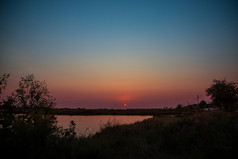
{"x": 149, "y": 43}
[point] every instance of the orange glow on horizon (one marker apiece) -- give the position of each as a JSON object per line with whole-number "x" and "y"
{"x": 124, "y": 105}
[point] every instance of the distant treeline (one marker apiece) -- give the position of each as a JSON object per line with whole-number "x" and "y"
{"x": 80, "y": 111}
{"x": 155, "y": 112}
{"x": 179, "y": 111}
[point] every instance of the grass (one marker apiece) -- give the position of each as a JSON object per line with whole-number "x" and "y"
{"x": 205, "y": 135}
{"x": 202, "y": 135}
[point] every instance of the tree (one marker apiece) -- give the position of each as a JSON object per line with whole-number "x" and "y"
{"x": 202, "y": 104}
{"x": 27, "y": 122}
{"x": 33, "y": 98}
{"x": 3, "y": 82}
{"x": 6, "y": 115}
{"x": 32, "y": 94}
{"x": 223, "y": 93}
{"x": 179, "y": 109}
{"x": 36, "y": 120}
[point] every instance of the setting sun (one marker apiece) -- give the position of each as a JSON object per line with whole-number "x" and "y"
{"x": 68, "y": 68}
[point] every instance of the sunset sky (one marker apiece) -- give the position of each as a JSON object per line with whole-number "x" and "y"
{"x": 107, "y": 53}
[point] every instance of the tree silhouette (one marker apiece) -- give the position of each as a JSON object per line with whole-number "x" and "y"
{"x": 202, "y": 104}
{"x": 36, "y": 121}
{"x": 27, "y": 121}
{"x": 32, "y": 94}
{"x": 6, "y": 116}
{"x": 3, "y": 82}
{"x": 223, "y": 93}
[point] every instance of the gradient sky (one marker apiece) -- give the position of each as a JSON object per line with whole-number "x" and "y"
{"x": 104, "y": 53}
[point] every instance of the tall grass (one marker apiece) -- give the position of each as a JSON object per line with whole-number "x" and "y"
{"x": 203, "y": 135}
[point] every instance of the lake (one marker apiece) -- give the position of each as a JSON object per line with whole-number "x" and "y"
{"x": 86, "y": 125}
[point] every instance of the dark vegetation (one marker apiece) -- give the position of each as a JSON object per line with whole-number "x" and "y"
{"x": 29, "y": 128}
{"x": 223, "y": 94}
{"x": 205, "y": 135}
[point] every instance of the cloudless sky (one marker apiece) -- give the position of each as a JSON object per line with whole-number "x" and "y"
{"x": 104, "y": 53}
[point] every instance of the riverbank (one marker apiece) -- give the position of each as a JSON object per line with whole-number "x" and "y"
{"x": 205, "y": 135}
{"x": 154, "y": 112}
{"x": 202, "y": 135}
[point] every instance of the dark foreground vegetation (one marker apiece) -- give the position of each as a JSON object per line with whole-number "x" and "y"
{"x": 29, "y": 128}
{"x": 203, "y": 135}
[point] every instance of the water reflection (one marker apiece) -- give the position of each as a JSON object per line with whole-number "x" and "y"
{"x": 86, "y": 125}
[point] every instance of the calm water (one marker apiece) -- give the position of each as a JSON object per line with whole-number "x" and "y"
{"x": 86, "y": 125}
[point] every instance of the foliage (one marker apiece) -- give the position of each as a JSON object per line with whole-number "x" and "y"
{"x": 3, "y": 82}
{"x": 109, "y": 124}
{"x": 202, "y": 104}
{"x": 69, "y": 133}
{"x": 204, "y": 135}
{"x": 6, "y": 117}
{"x": 32, "y": 94}
{"x": 33, "y": 97}
{"x": 32, "y": 128}
{"x": 223, "y": 93}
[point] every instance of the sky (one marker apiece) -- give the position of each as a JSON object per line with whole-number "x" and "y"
{"x": 107, "y": 53}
